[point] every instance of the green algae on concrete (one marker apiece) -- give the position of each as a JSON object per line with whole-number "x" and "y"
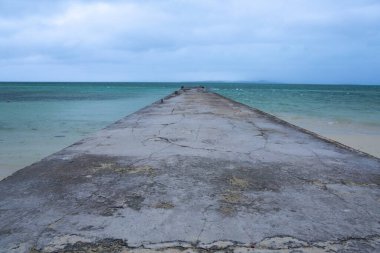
{"x": 195, "y": 172}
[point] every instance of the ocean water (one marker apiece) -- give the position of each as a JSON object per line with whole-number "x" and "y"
{"x": 37, "y": 119}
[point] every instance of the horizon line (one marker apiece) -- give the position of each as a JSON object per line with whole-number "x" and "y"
{"x": 204, "y": 81}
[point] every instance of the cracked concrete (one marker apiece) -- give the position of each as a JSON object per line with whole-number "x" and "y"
{"x": 196, "y": 173}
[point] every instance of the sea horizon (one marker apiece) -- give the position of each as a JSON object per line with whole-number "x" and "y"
{"x": 263, "y": 82}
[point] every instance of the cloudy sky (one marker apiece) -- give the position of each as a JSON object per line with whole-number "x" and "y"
{"x": 301, "y": 41}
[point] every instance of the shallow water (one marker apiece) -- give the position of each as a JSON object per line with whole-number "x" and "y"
{"x": 37, "y": 119}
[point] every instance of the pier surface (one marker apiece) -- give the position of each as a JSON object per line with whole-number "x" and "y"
{"x": 195, "y": 173}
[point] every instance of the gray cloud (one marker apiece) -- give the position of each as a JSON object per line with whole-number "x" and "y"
{"x": 290, "y": 41}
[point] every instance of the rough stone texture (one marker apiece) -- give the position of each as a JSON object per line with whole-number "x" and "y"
{"x": 196, "y": 173}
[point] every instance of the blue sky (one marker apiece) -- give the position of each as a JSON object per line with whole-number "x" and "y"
{"x": 300, "y": 41}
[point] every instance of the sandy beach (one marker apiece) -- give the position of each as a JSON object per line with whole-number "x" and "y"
{"x": 367, "y": 143}
{"x": 360, "y": 137}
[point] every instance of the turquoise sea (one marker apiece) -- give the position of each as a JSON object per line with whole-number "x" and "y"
{"x": 37, "y": 119}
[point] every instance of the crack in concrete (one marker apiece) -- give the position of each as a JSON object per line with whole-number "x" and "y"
{"x": 172, "y": 112}
{"x": 165, "y": 139}
{"x": 204, "y": 221}
{"x": 198, "y": 130}
{"x": 166, "y": 125}
{"x": 320, "y": 159}
{"x": 136, "y": 123}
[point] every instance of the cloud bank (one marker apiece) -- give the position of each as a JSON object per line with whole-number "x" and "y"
{"x": 298, "y": 41}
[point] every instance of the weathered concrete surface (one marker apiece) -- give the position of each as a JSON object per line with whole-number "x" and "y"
{"x": 196, "y": 173}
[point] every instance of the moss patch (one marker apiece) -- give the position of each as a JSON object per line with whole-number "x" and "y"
{"x": 238, "y": 182}
{"x": 164, "y": 205}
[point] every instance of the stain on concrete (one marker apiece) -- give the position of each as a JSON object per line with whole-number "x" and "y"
{"x": 239, "y": 182}
{"x": 164, "y": 205}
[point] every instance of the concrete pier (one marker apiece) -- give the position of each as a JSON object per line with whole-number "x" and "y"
{"x": 195, "y": 172}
